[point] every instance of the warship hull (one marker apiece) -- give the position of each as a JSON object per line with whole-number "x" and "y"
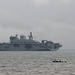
{"x": 11, "y": 48}
{"x": 28, "y": 49}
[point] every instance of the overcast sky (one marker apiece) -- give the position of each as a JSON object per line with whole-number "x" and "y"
{"x": 47, "y": 19}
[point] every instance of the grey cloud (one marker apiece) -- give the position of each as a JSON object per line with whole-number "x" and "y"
{"x": 22, "y": 11}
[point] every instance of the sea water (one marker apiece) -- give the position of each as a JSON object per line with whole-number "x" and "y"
{"x": 37, "y": 62}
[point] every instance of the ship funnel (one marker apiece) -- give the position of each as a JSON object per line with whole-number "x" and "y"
{"x": 30, "y": 36}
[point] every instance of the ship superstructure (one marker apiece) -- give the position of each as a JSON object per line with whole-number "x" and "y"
{"x": 23, "y": 44}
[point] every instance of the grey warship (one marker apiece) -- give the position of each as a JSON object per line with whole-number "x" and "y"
{"x": 23, "y": 44}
